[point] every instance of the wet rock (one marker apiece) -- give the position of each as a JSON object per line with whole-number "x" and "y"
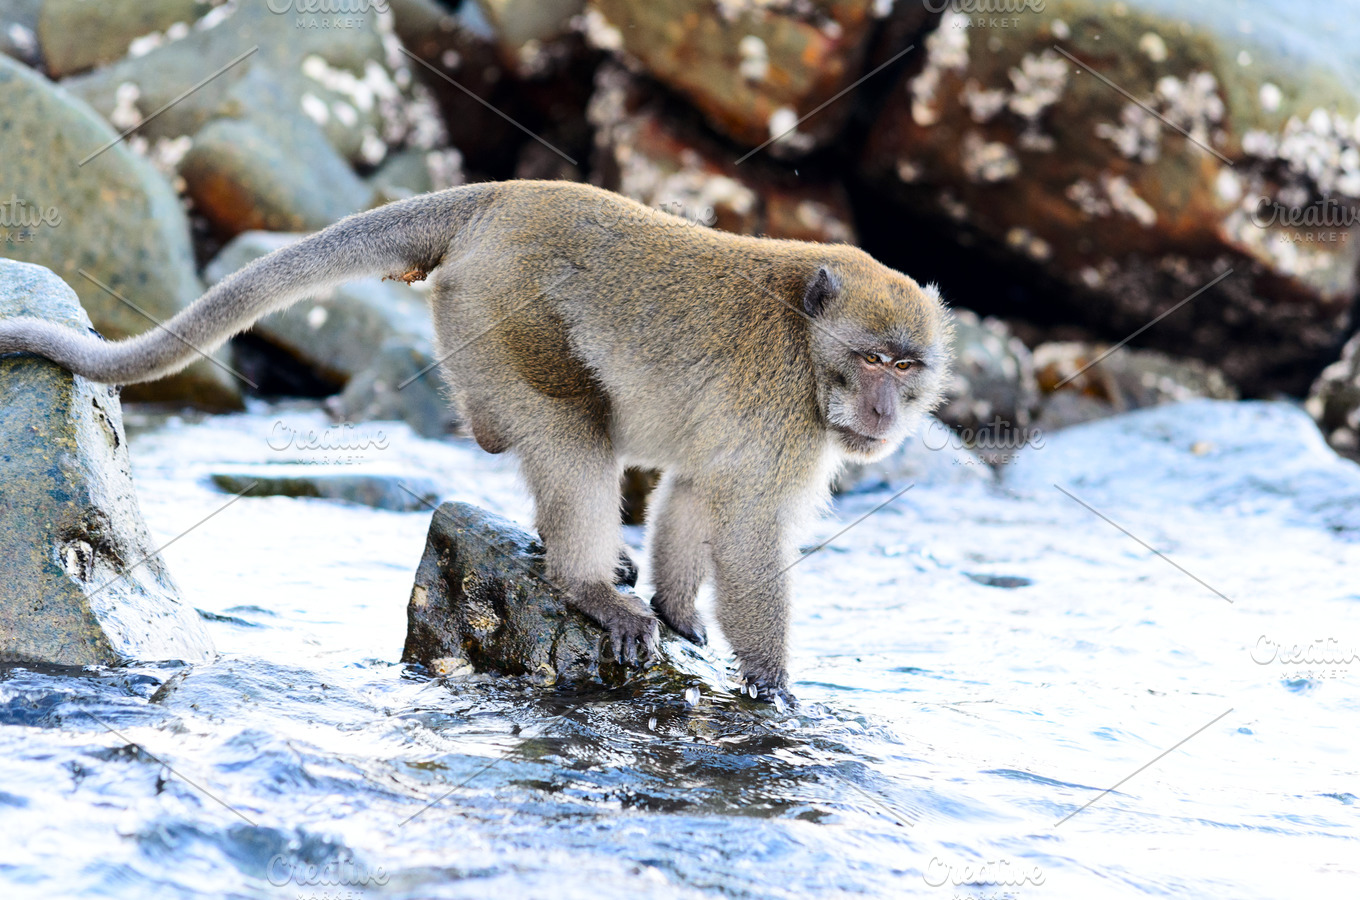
{"x": 1109, "y": 383}
{"x": 1250, "y": 457}
{"x": 113, "y": 217}
{"x": 753, "y": 69}
{"x": 481, "y": 602}
{"x": 992, "y": 379}
{"x": 645, "y": 150}
{"x": 394, "y": 492}
{"x": 1010, "y": 139}
{"x": 934, "y": 455}
{"x": 1334, "y": 401}
{"x": 82, "y": 584}
{"x": 76, "y": 35}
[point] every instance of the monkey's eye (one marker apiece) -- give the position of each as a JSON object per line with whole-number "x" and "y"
{"x": 904, "y": 365}
{"x": 874, "y": 358}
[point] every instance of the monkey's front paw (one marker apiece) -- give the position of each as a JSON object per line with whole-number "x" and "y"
{"x": 631, "y": 625}
{"x": 632, "y": 631}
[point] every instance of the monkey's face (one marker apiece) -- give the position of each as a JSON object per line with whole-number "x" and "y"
{"x": 880, "y": 346}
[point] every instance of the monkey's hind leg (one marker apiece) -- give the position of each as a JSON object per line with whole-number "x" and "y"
{"x": 679, "y": 554}
{"x": 574, "y": 476}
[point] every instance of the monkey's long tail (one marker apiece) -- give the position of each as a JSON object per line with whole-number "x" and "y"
{"x": 402, "y": 237}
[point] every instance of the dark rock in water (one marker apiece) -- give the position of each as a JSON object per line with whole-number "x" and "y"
{"x": 112, "y": 216}
{"x": 482, "y": 602}
{"x": 1334, "y": 400}
{"x": 392, "y": 492}
{"x": 80, "y": 581}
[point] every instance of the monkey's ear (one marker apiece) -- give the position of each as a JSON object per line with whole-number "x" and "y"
{"x": 821, "y": 288}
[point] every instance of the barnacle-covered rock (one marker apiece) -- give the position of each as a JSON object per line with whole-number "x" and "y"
{"x": 1136, "y": 154}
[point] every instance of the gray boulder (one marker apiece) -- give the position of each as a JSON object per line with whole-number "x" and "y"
{"x": 80, "y": 581}
{"x": 76, "y": 35}
{"x": 115, "y": 217}
{"x": 992, "y": 376}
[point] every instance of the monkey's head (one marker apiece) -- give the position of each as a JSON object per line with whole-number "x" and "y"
{"x": 880, "y": 344}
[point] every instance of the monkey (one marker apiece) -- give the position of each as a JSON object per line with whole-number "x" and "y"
{"x": 585, "y": 332}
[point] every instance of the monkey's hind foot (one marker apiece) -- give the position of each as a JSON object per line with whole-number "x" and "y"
{"x": 688, "y": 625}
{"x": 631, "y": 625}
{"x": 768, "y": 692}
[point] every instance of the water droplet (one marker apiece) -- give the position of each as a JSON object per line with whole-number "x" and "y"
{"x": 651, "y": 724}
{"x": 692, "y": 696}
{"x": 752, "y": 691}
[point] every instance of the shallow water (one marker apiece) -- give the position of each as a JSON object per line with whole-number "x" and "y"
{"x": 975, "y": 665}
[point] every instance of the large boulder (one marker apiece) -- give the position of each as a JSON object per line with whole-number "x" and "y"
{"x": 482, "y": 602}
{"x": 752, "y": 69}
{"x": 645, "y": 149}
{"x": 497, "y": 65}
{"x": 110, "y": 215}
{"x": 80, "y": 580}
{"x": 1134, "y": 154}
{"x": 343, "y": 77}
